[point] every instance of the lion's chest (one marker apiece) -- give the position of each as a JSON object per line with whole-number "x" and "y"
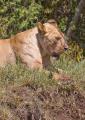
{"x": 31, "y": 54}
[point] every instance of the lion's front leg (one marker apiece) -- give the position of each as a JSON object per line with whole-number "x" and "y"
{"x": 58, "y": 75}
{"x": 46, "y": 62}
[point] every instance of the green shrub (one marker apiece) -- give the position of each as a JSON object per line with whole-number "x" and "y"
{"x": 16, "y": 16}
{"x": 74, "y": 52}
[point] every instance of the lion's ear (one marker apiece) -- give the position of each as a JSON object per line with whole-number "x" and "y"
{"x": 41, "y": 27}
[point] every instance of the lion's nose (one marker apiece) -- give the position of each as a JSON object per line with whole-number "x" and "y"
{"x": 66, "y": 47}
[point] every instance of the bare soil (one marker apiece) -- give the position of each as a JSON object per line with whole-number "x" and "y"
{"x": 30, "y": 102}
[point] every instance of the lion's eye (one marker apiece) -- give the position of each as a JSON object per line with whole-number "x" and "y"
{"x": 58, "y": 38}
{"x": 55, "y": 42}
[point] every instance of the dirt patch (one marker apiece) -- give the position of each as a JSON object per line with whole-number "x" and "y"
{"x": 63, "y": 102}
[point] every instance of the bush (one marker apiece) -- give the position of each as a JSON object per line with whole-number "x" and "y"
{"x": 16, "y": 16}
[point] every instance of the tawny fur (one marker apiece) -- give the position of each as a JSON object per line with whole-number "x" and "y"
{"x": 7, "y": 55}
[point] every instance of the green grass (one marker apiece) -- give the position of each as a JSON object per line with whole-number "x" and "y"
{"x": 19, "y": 74}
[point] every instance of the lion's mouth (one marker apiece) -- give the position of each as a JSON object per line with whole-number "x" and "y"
{"x": 55, "y": 55}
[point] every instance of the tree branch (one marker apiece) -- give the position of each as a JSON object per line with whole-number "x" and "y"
{"x": 76, "y": 18}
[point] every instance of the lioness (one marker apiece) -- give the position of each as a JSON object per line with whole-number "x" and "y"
{"x": 34, "y": 46}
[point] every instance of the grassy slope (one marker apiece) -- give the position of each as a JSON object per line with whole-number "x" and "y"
{"x": 17, "y": 76}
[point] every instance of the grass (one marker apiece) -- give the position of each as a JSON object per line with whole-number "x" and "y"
{"x": 75, "y": 69}
{"x": 19, "y": 74}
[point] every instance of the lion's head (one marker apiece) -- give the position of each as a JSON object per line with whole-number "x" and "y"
{"x": 53, "y": 41}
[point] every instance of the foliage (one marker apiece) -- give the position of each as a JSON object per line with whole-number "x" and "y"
{"x": 19, "y": 15}
{"x": 75, "y": 52}
{"x": 61, "y": 10}
{"x": 15, "y": 16}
